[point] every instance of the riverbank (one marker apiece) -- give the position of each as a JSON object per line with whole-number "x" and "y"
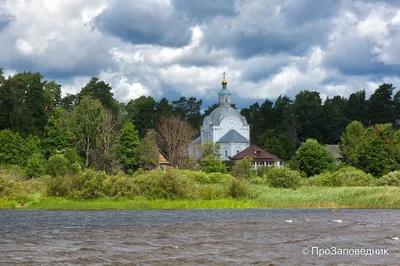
{"x": 260, "y": 197}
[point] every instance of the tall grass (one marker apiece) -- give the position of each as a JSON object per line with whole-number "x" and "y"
{"x": 260, "y": 197}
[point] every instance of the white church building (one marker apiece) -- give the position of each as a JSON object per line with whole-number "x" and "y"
{"x": 224, "y": 126}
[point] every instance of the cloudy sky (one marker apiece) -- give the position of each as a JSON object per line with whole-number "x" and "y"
{"x": 169, "y": 48}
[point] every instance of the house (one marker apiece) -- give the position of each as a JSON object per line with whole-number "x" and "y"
{"x": 334, "y": 150}
{"x": 224, "y": 126}
{"x": 163, "y": 162}
{"x": 259, "y": 157}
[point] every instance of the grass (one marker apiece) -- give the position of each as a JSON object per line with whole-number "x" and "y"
{"x": 260, "y": 197}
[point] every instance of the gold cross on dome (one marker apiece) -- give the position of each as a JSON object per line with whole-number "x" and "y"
{"x": 224, "y": 74}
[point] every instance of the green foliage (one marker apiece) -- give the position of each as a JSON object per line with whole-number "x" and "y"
{"x": 206, "y": 178}
{"x": 243, "y": 169}
{"x": 36, "y": 166}
{"x": 347, "y": 176}
{"x": 59, "y": 165}
{"x": 119, "y": 186}
{"x": 89, "y": 184}
{"x": 210, "y": 164}
{"x": 283, "y": 178}
{"x": 56, "y": 137}
{"x": 379, "y": 150}
{"x": 313, "y": 158}
{"x": 62, "y": 186}
{"x": 86, "y": 120}
{"x": 15, "y": 188}
{"x": 171, "y": 184}
{"x": 390, "y": 179}
{"x": 17, "y": 150}
{"x": 238, "y": 188}
{"x": 147, "y": 153}
{"x": 128, "y": 144}
{"x": 350, "y": 145}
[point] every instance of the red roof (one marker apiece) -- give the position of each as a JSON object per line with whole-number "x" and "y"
{"x": 255, "y": 153}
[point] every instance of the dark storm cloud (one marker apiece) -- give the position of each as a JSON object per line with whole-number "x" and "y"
{"x": 145, "y": 23}
{"x": 271, "y": 27}
{"x": 5, "y": 20}
{"x": 205, "y": 10}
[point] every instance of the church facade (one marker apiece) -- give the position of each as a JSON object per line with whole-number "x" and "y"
{"x": 224, "y": 126}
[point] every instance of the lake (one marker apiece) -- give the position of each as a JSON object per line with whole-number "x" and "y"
{"x": 200, "y": 237}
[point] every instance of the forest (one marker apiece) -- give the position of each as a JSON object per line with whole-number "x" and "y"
{"x": 86, "y": 141}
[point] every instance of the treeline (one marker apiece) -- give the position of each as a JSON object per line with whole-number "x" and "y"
{"x": 95, "y": 130}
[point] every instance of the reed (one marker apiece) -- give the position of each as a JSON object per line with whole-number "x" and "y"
{"x": 260, "y": 197}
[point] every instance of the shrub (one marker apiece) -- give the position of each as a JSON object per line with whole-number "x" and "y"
{"x": 60, "y": 186}
{"x": 58, "y": 165}
{"x": 89, "y": 184}
{"x": 211, "y": 164}
{"x": 198, "y": 176}
{"x": 390, "y": 179}
{"x": 36, "y": 166}
{"x": 219, "y": 177}
{"x": 119, "y": 186}
{"x": 210, "y": 192}
{"x": 347, "y": 176}
{"x": 243, "y": 169}
{"x": 171, "y": 184}
{"x": 313, "y": 158}
{"x": 237, "y": 188}
{"x": 283, "y": 178}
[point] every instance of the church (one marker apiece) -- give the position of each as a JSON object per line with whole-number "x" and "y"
{"x": 224, "y": 126}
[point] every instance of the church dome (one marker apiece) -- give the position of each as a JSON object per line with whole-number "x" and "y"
{"x": 222, "y": 112}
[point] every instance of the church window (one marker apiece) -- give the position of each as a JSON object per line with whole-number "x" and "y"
{"x": 237, "y": 151}
{"x": 226, "y": 153}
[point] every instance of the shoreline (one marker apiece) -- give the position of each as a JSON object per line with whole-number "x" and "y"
{"x": 261, "y": 197}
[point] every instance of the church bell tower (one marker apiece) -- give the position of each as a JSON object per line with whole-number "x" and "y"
{"x": 224, "y": 94}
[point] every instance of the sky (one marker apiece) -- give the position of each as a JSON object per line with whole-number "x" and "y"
{"x": 173, "y": 48}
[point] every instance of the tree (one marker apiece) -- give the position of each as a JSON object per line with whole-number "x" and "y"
{"x": 69, "y": 101}
{"x": 127, "y": 147}
{"x": 307, "y": 109}
{"x": 357, "y": 107}
{"x": 334, "y": 119}
{"x": 100, "y": 90}
{"x": 56, "y": 136}
{"x": 107, "y": 140}
{"x": 52, "y": 92}
{"x": 174, "y": 137}
{"x": 142, "y": 112}
{"x": 189, "y": 110}
{"x": 147, "y": 153}
{"x": 210, "y": 161}
{"x": 36, "y": 165}
{"x": 379, "y": 150}
{"x": 87, "y": 118}
{"x": 381, "y": 106}
{"x": 313, "y": 158}
{"x": 277, "y": 143}
{"x": 351, "y": 143}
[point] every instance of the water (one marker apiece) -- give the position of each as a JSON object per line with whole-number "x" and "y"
{"x": 196, "y": 237}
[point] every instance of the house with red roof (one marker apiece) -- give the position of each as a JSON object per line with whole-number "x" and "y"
{"x": 259, "y": 157}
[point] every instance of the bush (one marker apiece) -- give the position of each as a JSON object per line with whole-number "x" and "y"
{"x": 243, "y": 169}
{"x": 119, "y": 186}
{"x": 219, "y": 177}
{"x": 347, "y": 176}
{"x": 283, "y": 178}
{"x": 58, "y": 165}
{"x": 238, "y": 188}
{"x": 60, "y": 186}
{"x": 211, "y": 164}
{"x": 313, "y": 158}
{"x": 390, "y": 179}
{"x": 89, "y": 184}
{"x": 36, "y": 166}
{"x": 210, "y": 192}
{"x": 171, "y": 184}
{"x": 197, "y": 176}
